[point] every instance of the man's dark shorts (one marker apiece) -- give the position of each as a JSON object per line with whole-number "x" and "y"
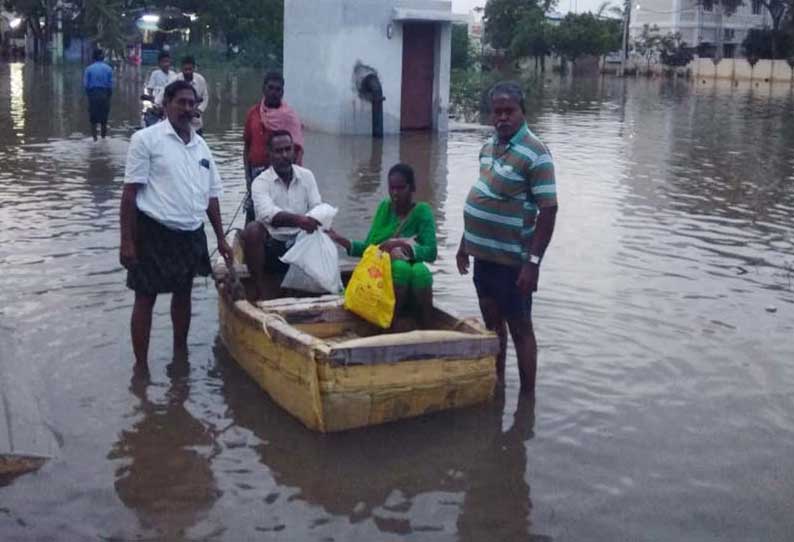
{"x": 498, "y": 282}
{"x": 275, "y": 249}
{"x": 99, "y": 105}
{"x": 168, "y": 260}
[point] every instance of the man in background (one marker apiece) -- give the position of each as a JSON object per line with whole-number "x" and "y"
{"x": 98, "y": 84}
{"x": 162, "y": 76}
{"x": 270, "y": 114}
{"x": 199, "y": 84}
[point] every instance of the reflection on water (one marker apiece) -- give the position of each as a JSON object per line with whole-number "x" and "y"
{"x": 166, "y": 478}
{"x": 17, "y": 94}
{"x": 664, "y": 318}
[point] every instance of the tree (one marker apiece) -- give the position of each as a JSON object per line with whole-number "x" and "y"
{"x": 759, "y": 44}
{"x": 462, "y": 57}
{"x": 777, "y": 9}
{"x": 532, "y": 37}
{"x": 501, "y": 15}
{"x": 606, "y": 8}
{"x": 673, "y": 51}
{"x": 104, "y": 23}
{"x": 584, "y": 34}
{"x": 34, "y": 13}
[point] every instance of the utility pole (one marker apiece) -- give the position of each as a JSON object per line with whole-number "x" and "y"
{"x": 57, "y": 47}
{"x": 624, "y": 53}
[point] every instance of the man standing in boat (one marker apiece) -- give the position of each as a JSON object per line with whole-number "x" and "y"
{"x": 270, "y": 114}
{"x": 282, "y": 196}
{"x": 509, "y": 219}
{"x": 170, "y": 182}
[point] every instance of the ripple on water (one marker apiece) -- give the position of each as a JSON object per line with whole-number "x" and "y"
{"x": 663, "y": 403}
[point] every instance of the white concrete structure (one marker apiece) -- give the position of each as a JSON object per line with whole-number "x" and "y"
{"x": 697, "y": 25}
{"x": 325, "y": 41}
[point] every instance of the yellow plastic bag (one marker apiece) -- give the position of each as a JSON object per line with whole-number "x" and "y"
{"x": 370, "y": 292}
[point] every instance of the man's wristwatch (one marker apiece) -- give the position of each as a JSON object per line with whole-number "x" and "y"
{"x": 534, "y": 259}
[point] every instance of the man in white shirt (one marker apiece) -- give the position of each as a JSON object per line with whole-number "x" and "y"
{"x": 162, "y": 76}
{"x": 170, "y": 182}
{"x": 189, "y": 74}
{"x": 283, "y": 195}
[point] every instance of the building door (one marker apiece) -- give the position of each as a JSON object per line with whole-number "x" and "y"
{"x": 419, "y": 44}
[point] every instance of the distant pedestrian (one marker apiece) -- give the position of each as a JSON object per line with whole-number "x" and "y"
{"x": 98, "y": 84}
{"x": 199, "y": 84}
{"x": 162, "y": 76}
{"x": 269, "y": 115}
{"x": 509, "y": 219}
{"x": 170, "y": 182}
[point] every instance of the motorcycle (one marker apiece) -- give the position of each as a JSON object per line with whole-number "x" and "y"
{"x": 151, "y": 113}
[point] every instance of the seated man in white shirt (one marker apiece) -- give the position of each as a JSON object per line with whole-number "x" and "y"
{"x": 283, "y": 195}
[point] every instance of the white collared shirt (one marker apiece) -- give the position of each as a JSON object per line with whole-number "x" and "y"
{"x": 158, "y": 80}
{"x": 178, "y": 179}
{"x": 271, "y": 196}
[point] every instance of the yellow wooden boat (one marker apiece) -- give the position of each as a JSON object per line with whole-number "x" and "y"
{"x": 334, "y": 371}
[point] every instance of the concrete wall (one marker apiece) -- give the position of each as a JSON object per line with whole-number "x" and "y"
{"x": 324, "y": 40}
{"x": 739, "y": 69}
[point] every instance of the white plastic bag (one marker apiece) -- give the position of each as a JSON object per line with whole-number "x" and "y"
{"x": 313, "y": 259}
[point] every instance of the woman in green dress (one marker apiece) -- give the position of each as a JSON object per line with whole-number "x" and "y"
{"x": 407, "y": 231}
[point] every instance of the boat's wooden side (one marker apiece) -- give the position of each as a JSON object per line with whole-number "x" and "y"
{"x": 282, "y": 364}
{"x": 360, "y": 395}
{"x": 367, "y": 381}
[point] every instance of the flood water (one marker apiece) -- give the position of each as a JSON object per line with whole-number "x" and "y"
{"x": 665, "y": 321}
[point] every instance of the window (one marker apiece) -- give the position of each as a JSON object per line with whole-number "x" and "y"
{"x": 729, "y": 34}
{"x": 756, "y": 7}
{"x": 708, "y": 5}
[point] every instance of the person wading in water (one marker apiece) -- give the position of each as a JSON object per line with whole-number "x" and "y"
{"x": 170, "y": 182}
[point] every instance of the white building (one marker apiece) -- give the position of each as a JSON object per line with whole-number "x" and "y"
{"x": 330, "y": 46}
{"x": 700, "y": 27}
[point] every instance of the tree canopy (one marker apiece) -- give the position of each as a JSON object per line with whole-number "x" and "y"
{"x": 585, "y": 34}
{"x": 501, "y": 16}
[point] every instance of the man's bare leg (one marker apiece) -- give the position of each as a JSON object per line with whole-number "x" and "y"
{"x": 141, "y": 327}
{"x": 523, "y": 335}
{"x": 181, "y": 306}
{"x": 253, "y": 238}
{"x": 495, "y": 322}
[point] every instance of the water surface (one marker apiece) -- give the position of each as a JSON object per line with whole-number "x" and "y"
{"x": 665, "y": 321}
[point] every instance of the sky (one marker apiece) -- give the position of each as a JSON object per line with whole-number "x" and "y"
{"x": 563, "y": 6}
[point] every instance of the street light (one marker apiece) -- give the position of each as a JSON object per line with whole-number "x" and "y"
{"x": 151, "y": 18}
{"x": 14, "y": 23}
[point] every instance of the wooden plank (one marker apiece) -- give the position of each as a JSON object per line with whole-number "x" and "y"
{"x": 352, "y": 409}
{"x": 26, "y": 440}
{"x": 297, "y": 304}
{"x": 401, "y": 348}
{"x": 408, "y": 374}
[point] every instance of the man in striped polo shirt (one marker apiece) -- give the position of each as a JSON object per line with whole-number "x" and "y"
{"x": 508, "y": 222}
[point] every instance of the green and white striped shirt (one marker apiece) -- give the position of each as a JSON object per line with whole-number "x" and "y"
{"x": 516, "y": 181}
